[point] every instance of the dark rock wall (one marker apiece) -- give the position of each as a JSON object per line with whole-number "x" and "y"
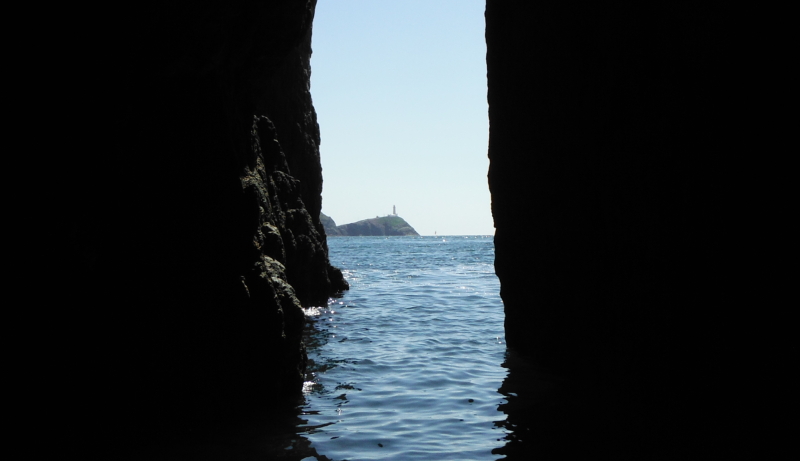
{"x": 607, "y": 126}
{"x": 194, "y": 233}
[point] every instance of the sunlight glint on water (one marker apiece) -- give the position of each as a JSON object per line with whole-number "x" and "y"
{"x": 407, "y": 364}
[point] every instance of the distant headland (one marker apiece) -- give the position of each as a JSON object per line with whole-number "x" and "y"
{"x": 377, "y": 226}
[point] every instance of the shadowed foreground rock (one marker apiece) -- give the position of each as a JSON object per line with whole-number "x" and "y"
{"x": 195, "y": 237}
{"x": 606, "y": 129}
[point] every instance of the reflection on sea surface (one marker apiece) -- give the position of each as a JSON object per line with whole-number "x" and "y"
{"x": 406, "y": 365}
{"x": 541, "y": 417}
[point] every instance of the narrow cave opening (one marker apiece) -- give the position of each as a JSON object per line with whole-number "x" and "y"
{"x": 193, "y": 246}
{"x": 399, "y": 90}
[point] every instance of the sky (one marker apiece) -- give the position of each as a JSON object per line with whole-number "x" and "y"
{"x": 400, "y": 93}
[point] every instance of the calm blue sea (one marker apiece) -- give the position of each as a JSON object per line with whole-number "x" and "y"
{"x": 411, "y": 364}
{"x": 407, "y": 364}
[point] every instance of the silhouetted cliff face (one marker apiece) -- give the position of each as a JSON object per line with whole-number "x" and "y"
{"x": 329, "y": 224}
{"x": 605, "y": 127}
{"x": 195, "y": 236}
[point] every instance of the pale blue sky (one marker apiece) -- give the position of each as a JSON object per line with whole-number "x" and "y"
{"x": 400, "y": 93}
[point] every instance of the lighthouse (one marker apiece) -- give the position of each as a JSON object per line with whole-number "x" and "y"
{"x": 394, "y": 210}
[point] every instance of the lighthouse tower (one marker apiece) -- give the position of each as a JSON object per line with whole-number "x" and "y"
{"x": 394, "y": 210}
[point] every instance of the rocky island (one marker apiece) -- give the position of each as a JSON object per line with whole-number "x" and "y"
{"x": 386, "y": 225}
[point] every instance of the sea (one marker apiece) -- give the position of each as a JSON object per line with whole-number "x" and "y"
{"x": 407, "y": 364}
{"x": 412, "y": 364}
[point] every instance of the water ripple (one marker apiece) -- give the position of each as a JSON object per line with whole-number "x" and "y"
{"x": 406, "y": 365}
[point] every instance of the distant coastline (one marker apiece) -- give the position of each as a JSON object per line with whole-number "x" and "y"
{"x": 377, "y": 226}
